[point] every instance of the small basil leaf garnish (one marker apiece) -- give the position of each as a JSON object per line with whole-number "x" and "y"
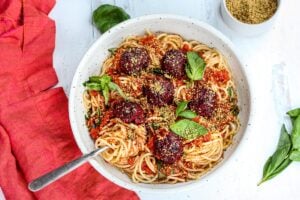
{"x": 114, "y": 87}
{"x": 230, "y": 93}
{"x": 181, "y": 107}
{"x": 107, "y": 16}
{"x": 157, "y": 71}
{"x": 112, "y": 51}
{"x": 103, "y": 83}
{"x": 195, "y": 66}
{"x": 187, "y": 114}
{"x": 188, "y": 129}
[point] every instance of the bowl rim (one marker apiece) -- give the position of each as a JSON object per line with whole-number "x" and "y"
{"x": 134, "y": 186}
{"x": 251, "y": 25}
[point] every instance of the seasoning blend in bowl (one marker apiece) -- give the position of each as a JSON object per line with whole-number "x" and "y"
{"x": 249, "y": 17}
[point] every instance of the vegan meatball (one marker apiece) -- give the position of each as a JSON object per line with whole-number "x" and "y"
{"x": 159, "y": 91}
{"x": 174, "y": 62}
{"x": 168, "y": 147}
{"x": 204, "y": 101}
{"x": 133, "y": 60}
{"x": 129, "y": 112}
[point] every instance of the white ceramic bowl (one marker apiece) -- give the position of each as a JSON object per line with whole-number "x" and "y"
{"x": 244, "y": 28}
{"x": 91, "y": 65}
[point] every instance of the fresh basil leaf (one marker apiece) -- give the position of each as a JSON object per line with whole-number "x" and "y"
{"x": 296, "y": 133}
{"x": 188, "y": 129}
{"x": 112, "y": 50}
{"x": 105, "y": 93}
{"x": 295, "y": 155}
{"x": 283, "y": 165}
{"x": 114, "y": 87}
{"x": 280, "y": 159}
{"x": 195, "y": 66}
{"x": 266, "y": 166}
{"x": 93, "y": 86}
{"x": 181, "y": 107}
{"x": 283, "y": 148}
{"x": 279, "y": 169}
{"x": 294, "y": 113}
{"x": 95, "y": 79}
{"x": 105, "y": 80}
{"x": 107, "y": 16}
{"x": 187, "y": 114}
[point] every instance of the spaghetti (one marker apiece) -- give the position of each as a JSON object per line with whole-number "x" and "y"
{"x": 137, "y": 129}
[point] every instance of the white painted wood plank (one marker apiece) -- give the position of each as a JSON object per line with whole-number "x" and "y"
{"x": 74, "y": 35}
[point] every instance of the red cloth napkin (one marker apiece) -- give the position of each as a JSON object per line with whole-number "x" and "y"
{"x": 35, "y": 135}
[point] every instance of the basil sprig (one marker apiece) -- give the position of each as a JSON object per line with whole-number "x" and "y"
{"x": 288, "y": 149}
{"x": 104, "y": 84}
{"x": 182, "y": 112}
{"x": 195, "y": 67}
{"x": 107, "y": 16}
{"x": 188, "y": 129}
{"x": 280, "y": 159}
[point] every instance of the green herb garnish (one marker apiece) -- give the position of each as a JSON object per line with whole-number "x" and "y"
{"x": 157, "y": 71}
{"x": 182, "y": 112}
{"x": 235, "y": 110}
{"x": 188, "y": 129}
{"x": 107, "y": 16}
{"x": 230, "y": 93}
{"x": 188, "y": 114}
{"x": 195, "y": 66}
{"x": 181, "y": 107}
{"x": 112, "y": 50}
{"x": 288, "y": 149}
{"x": 104, "y": 84}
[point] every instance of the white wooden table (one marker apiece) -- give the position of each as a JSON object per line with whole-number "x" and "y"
{"x": 265, "y": 57}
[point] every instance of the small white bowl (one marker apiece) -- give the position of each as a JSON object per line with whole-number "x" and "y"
{"x": 91, "y": 65}
{"x": 244, "y": 28}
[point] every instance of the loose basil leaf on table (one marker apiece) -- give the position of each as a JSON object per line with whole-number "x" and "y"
{"x": 187, "y": 114}
{"x": 280, "y": 159}
{"x": 181, "y": 107}
{"x": 107, "y": 16}
{"x": 296, "y": 133}
{"x": 295, "y": 155}
{"x": 294, "y": 113}
{"x": 195, "y": 66}
{"x": 188, "y": 129}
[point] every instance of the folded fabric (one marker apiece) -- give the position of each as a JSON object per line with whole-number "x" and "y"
{"x": 35, "y": 135}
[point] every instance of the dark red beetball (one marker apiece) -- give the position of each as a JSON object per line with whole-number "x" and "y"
{"x": 174, "y": 62}
{"x": 129, "y": 112}
{"x": 133, "y": 60}
{"x": 168, "y": 147}
{"x": 204, "y": 101}
{"x": 159, "y": 91}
